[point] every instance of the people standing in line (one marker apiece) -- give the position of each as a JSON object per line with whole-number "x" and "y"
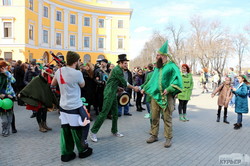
{"x": 6, "y": 91}
{"x": 19, "y": 72}
{"x": 139, "y": 82}
{"x": 166, "y": 82}
{"x": 110, "y": 102}
{"x": 74, "y": 119}
{"x": 101, "y": 77}
{"x": 184, "y": 96}
{"x": 89, "y": 90}
{"x": 128, "y": 77}
{"x": 241, "y": 100}
{"x": 31, "y": 73}
{"x": 148, "y": 98}
{"x": 225, "y": 95}
{"x": 203, "y": 81}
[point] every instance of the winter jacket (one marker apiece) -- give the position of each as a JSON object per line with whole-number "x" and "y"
{"x": 187, "y": 81}
{"x": 241, "y": 99}
{"x": 225, "y": 94}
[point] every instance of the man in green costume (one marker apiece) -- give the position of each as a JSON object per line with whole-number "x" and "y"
{"x": 164, "y": 84}
{"x": 110, "y": 102}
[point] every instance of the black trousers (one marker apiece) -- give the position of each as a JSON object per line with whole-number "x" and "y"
{"x": 182, "y": 106}
{"x": 219, "y": 111}
{"x": 138, "y": 100}
{"x": 41, "y": 115}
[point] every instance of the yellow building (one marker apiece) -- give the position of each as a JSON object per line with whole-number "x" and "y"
{"x": 96, "y": 29}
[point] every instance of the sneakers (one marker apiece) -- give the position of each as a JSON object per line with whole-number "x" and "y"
{"x": 182, "y": 118}
{"x": 185, "y": 117}
{"x": 147, "y": 116}
{"x": 118, "y": 134}
{"x": 168, "y": 143}
{"x": 93, "y": 137}
{"x": 152, "y": 139}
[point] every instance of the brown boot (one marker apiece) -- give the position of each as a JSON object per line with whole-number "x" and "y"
{"x": 152, "y": 139}
{"x": 168, "y": 143}
{"x": 41, "y": 128}
{"x": 45, "y": 126}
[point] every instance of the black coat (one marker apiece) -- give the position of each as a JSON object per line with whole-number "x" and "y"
{"x": 19, "y": 76}
{"x": 88, "y": 91}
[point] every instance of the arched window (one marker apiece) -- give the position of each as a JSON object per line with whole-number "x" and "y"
{"x": 45, "y": 57}
{"x": 86, "y": 58}
{"x": 101, "y": 57}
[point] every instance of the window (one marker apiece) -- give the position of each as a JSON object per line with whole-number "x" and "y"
{"x": 45, "y": 11}
{"x": 86, "y": 58}
{"x": 72, "y": 19}
{"x": 58, "y": 16}
{"x": 58, "y": 39}
{"x": 31, "y": 4}
{"x": 120, "y": 43}
{"x": 45, "y": 36}
{"x": 101, "y": 43}
{"x": 6, "y": 2}
{"x": 8, "y": 56}
{"x": 31, "y": 32}
{"x": 7, "y": 26}
{"x": 101, "y": 23}
{"x": 86, "y": 21}
{"x": 86, "y": 42}
{"x": 120, "y": 23}
{"x": 72, "y": 40}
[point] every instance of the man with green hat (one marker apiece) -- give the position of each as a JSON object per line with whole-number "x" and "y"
{"x": 164, "y": 84}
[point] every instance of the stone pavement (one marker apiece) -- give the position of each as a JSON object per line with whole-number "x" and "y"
{"x": 198, "y": 142}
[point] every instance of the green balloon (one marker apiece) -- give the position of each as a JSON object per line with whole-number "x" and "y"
{"x": 7, "y": 104}
{"x": 1, "y": 103}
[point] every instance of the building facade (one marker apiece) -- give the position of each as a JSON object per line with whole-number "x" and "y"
{"x": 96, "y": 29}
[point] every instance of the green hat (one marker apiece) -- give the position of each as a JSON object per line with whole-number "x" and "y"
{"x": 164, "y": 51}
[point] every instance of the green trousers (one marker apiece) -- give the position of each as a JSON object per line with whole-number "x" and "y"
{"x": 167, "y": 117}
{"x": 69, "y": 138}
{"x": 109, "y": 104}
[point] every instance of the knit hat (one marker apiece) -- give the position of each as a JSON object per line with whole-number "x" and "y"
{"x": 72, "y": 57}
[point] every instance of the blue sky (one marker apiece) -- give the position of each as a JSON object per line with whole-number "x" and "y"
{"x": 156, "y": 14}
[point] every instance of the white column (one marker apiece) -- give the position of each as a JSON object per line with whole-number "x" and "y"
{"x": 80, "y": 31}
{"x": 108, "y": 33}
{"x": 66, "y": 29}
{"x": 52, "y": 26}
{"x": 40, "y": 17}
{"x": 94, "y": 30}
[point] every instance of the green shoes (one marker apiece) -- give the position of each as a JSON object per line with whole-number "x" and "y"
{"x": 183, "y": 118}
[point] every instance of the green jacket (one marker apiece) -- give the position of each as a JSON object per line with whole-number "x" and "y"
{"x": 168, "y": 77}
{"x": 38, "y": 90}
{"x": 188, "y": 84}
{"x": 116, "y": 78}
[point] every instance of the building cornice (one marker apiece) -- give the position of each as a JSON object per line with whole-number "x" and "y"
{"x": 98, "y": 7}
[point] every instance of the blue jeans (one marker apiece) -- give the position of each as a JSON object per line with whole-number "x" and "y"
{"x": 148, "y": 107}
{"x": 126, "y": 109}
{"x": 239, "y": 118}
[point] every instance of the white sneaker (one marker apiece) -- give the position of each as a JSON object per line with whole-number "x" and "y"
{"x": 118, "y": 134}
{"x": 93, "y": 137}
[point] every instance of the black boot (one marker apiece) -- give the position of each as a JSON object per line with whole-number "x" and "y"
{"x": 225, "y": 120}
{"x": 66, "y": 158}
{"x": 237, "y": 126}
{"x": 13, "y": 125}
{"x": 218, "y": 119}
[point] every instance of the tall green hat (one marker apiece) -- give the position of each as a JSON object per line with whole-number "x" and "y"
{"x": 164, "y": 51}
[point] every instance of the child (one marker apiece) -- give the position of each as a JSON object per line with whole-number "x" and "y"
{"x": 241, "y": 102}
{"x": 225, "y": 96}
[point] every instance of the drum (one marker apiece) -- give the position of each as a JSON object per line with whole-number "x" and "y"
{"x": 123, "y": 98}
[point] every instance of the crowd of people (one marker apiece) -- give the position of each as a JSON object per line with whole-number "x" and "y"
{"x": 65, "y": 86}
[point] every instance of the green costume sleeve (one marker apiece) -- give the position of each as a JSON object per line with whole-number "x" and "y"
{"x": 119, "y": 76}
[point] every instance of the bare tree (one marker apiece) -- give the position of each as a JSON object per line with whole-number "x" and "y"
{"x": 240, "y": 46}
